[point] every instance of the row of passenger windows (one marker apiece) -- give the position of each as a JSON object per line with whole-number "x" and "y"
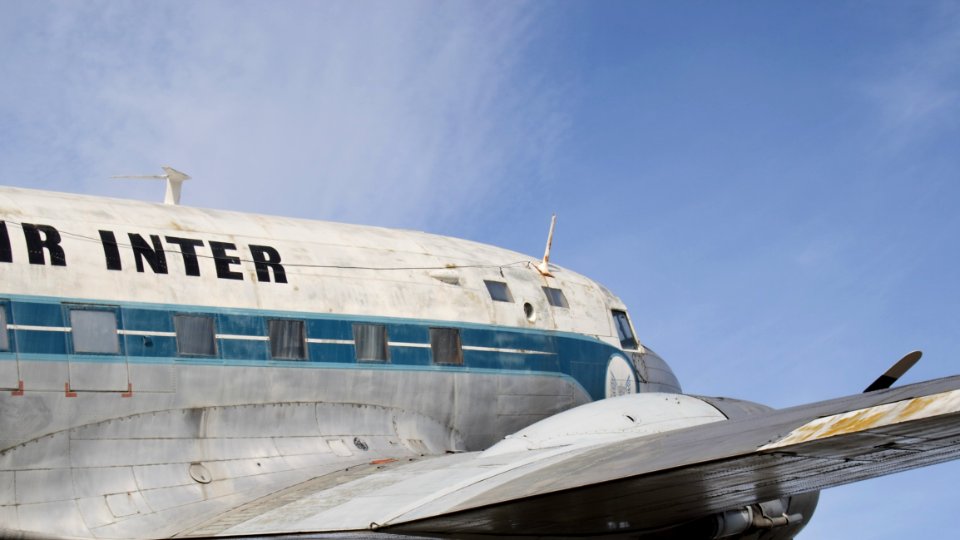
{"x": 94, "y": 331}
{"x": 500, "y": 292}
{"x": 288, "y": 340}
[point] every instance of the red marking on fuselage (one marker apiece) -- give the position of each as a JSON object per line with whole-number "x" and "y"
{"x": 66, "y": 390}
{"x": 19, "y": 391}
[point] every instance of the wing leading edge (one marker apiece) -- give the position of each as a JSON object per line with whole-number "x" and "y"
{"x": 635, "y": 485}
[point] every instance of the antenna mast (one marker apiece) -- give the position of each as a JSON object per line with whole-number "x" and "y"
{"x": 174, "y": 178}
{"x": 544, "y": 267}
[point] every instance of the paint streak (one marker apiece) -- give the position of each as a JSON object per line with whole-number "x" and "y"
{"x": 871, "y": 417}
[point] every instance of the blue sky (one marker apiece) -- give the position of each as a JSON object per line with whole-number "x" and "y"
{"x": 771, "y": 187}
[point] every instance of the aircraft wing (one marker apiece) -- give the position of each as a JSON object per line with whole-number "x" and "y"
{"x": 634, "y": 484}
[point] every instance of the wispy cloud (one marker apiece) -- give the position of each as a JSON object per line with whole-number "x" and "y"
{"x": 919, "y": 95}
{"x": 375, "y": 112}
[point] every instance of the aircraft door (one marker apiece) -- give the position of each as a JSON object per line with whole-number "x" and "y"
{"x": 9, "y": 368}
{"x": 97, "y": 359}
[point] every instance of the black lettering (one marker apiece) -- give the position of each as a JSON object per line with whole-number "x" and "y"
{"x": 188, "y": 249}
{"x": 6, "y": 255}
{"x": 154, "y": 256}
{"x": 266, "y": 258}
{"x": 110, "y": 250}
{"x": 49, "y": 242}
{"x": 223, "y": 261}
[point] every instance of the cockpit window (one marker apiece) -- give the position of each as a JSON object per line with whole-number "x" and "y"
{"x": 627, "y": 339}
{"x": 556, "y": 297}
{"x": 498, "y": 291}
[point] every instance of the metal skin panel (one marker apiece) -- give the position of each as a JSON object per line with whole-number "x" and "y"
{"x": 102, "y": 377}
{"x": 152, "y": 377}
{"x": 141, "y": 464}
{"x": 655, "y": 373}
{"x": 95, "y": 511}
{"x": 248, "y": 449}
{"x": 43, "y": 376}
{"x": 33, "y": 486}
{"x": 103, "y": 481}
{"x": 62, "y": 518}
{"x": 9, "y": 372}
{"x": 8, "y": 516}
{"x": 7, "y": 495}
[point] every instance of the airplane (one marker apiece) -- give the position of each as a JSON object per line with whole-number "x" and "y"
{"x": 177, "y": 372}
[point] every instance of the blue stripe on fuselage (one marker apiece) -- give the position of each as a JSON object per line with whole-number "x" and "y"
{"x": 522, "y": 351}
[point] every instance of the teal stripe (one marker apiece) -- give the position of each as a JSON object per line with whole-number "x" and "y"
{"x": 578, "y": 358}
{"x": 307, "y": 315}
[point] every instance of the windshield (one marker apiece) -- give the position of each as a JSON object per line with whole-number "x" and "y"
{"x": 627, "y": 339}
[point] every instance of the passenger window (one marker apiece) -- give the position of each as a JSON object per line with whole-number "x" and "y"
{"x": 556, "y": 297}
{"x": 371, "y": 342}
{"x": 499, "y": 291}
{"x": 195, "y": 335}
{"x": 94, "y": 331}
{"x": 445, "y": 345}
{"x": 288, "y": 340}
{"x": 627, "y": 339}
{"x": 4, "y": 334}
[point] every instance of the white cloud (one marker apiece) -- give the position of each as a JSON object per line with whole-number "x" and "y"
{"x": 374, "y": 112}
{"x": 919, "y": 95}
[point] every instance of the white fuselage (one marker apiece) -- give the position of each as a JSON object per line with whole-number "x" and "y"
{"x": 142, "y": 336}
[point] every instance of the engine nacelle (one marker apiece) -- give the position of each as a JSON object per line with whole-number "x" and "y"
{"x": 645, "y": 414}
{"x": 623, "y": 417}
{"x": 779, "y": 519}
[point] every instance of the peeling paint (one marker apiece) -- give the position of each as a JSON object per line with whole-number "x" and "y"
{"x": 871, "y": 417}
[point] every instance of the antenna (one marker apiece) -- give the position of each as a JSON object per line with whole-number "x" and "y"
{"x": 174, "y": 180}
{"x": 544, "y": 267}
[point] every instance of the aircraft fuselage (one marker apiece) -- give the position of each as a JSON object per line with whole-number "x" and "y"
{"x": 155, "y": 356}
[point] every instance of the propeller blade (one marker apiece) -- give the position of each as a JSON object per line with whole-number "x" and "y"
{"x": 902, "y": 366}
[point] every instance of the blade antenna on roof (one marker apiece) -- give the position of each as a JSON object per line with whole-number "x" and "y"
{"x": 544, "y": 266}
{"x": 174, "y": 178}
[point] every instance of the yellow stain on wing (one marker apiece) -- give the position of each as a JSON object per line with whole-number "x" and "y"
{"x": 871, "y": 417}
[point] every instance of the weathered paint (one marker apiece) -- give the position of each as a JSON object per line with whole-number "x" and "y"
{"x": 871, "y": 417}
{"x": 149, "y": 443}
{"x": 329, "y": 267}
